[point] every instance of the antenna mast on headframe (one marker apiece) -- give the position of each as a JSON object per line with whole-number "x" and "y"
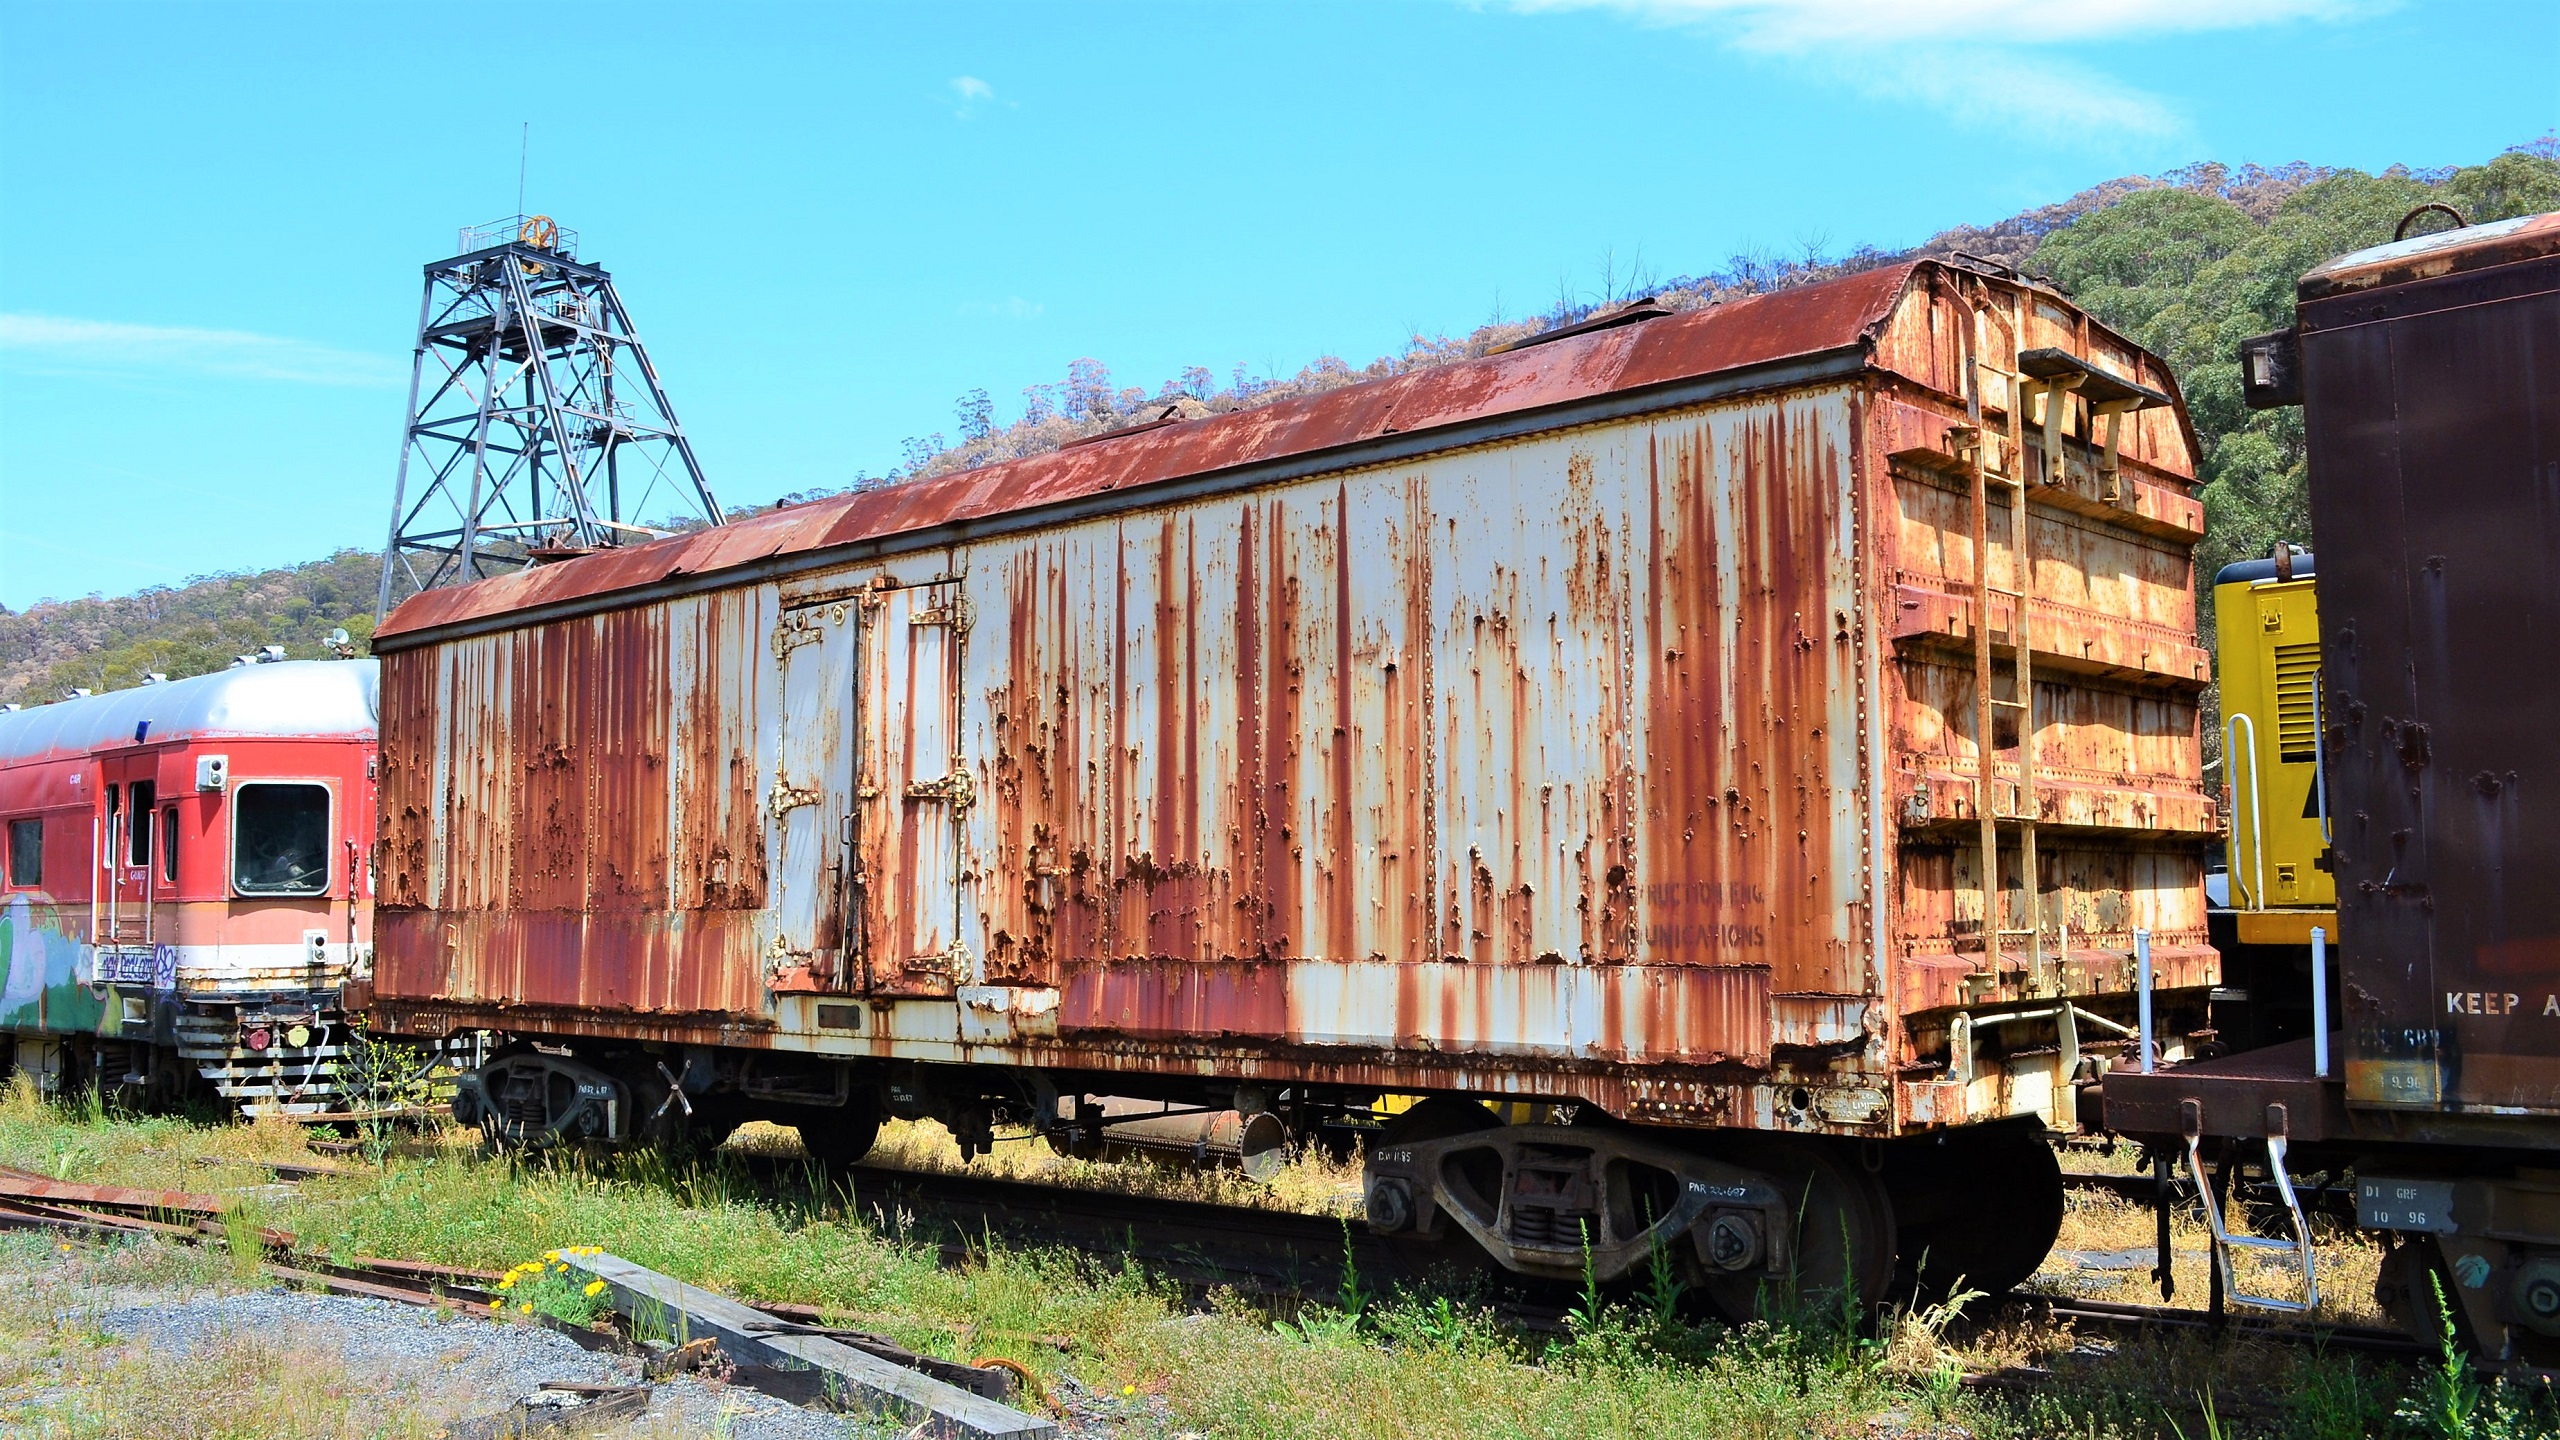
{"x": 537, "y": 427}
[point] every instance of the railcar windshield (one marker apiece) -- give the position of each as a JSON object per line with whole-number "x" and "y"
{"x": 280, "y": 839}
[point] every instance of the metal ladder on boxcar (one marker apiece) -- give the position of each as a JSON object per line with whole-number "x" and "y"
{"x": 2035, "y": 386}
{"x": 1999, "y": 459}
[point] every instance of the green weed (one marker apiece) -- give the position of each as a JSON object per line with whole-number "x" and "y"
{"x": 1664, "y": 1290}
{"x": 552, "y": 1285}
{"x": 1369, "y": 1364}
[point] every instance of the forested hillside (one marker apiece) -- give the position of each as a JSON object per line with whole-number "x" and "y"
{"x": 2187, "y": 263}
{"x": 2191, "y": 271}
{"x": 108, "y": 644}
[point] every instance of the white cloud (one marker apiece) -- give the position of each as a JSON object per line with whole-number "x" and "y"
{"x": 1806, "y": 24}
{"x": 1982, "y": 61}
{"x": 1011, "y": 307}
{"x": 1987, "y": 86}
{"x": 167, "y": 349}
{"x": 969, "y": 95}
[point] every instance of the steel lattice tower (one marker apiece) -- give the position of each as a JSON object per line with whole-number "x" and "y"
{"x": 535, "y": 416}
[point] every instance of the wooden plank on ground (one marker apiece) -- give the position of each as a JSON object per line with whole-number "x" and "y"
{"x": 867, "y": 1382}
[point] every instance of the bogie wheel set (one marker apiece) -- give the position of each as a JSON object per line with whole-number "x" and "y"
{"x": 1759, "y": 1225}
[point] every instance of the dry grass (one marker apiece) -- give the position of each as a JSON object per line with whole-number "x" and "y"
{"x": 233, "y": 1386}
{"x": 1312, "y": 1183}
{"x": 63, "y": 1374}
{"x": 1404, "y": 1365}
{"x": 2097, "y": 1223}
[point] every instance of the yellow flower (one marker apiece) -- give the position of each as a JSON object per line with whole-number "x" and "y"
{"x": 564, "y": 1269}
{"x": 507, "y": 1281}
{"x": 525, "y": 1309}
{"x": 1128, "y": 1389}
{"x": 550, "y": 1254}
{"x": 595, "y": 1287}
{"x": 497, "y": 1304}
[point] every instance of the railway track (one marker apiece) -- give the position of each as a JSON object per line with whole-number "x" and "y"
{"x": 1287, "y": 1255}
{"x": 98, "y": 1212}
{"x": 1272, "y": 1254}
{"x": 2116, "y": 1316}
{"x": 106, "y": 1212}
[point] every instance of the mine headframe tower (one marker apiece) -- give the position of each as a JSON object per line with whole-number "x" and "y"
{"x": 537, "y": 427}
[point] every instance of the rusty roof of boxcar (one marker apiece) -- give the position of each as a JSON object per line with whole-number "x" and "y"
{"x": 2444, "y": 252}
{"x": 1761, "y": 333}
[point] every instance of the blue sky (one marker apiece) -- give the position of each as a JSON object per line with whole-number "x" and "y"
{"x": 832, "y": 220}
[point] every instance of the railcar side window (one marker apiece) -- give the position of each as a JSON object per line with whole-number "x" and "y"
{"x": 169, "y": 843}
{"x": 280, "y": 839}
{"x": 26, "y": 852}
{"x": 140, "y": 850}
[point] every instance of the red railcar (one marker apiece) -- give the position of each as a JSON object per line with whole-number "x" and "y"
{"x": 1769, "y": 729}
{"x": 188, "y": 882}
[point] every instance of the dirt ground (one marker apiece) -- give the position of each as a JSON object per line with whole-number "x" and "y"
{"x": 151, "y": 1340}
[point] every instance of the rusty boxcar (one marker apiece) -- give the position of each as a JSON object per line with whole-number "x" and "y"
{"x": 1764, "y": 729}
{"x": 2431, "y": 409}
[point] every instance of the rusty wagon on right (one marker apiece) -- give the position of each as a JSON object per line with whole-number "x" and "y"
{"x": 2429, "y": 375}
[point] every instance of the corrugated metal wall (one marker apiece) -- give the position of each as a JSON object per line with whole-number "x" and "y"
{"x": 1422, "y": 717}
{"x": 1590, "y": 748}
{"x": 548, "y": 842}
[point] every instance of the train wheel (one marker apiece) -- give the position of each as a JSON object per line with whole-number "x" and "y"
{"x": 841, "y": 1138}
{"x": 1844, "y": 1234}
{"x": 1449, "y": 1260}
{"x": 1975, "y": 1209}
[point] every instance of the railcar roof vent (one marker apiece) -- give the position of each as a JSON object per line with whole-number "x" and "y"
{"x": 1633, "y": 312}
{"x": 1154, "y": 415}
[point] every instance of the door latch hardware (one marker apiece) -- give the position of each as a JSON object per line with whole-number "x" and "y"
{"x": 960, "y": 614}
{"x": 786, "y": 797}
{"x": 956, "y": 787}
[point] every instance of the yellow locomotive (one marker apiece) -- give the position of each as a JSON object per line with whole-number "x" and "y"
{"x": 2277, "y": 900}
